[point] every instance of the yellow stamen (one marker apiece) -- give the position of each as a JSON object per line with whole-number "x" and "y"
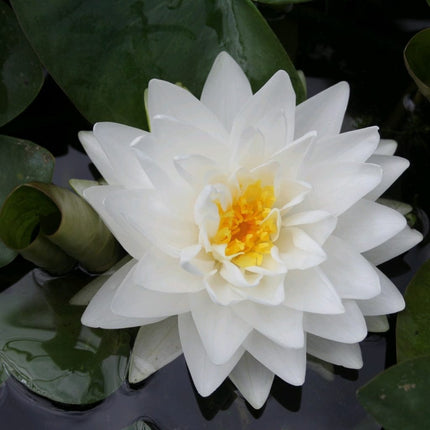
{"x": 245, "y": 226}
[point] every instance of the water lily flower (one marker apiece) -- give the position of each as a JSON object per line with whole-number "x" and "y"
{"x": 253, "y": 230}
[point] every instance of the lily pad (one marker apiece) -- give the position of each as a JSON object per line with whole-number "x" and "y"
{"x": 413, "y": 324}
{"x": 104, "y": 57}
{"x": 53, "y": 227}
{"x": 417, "y": 60}
{"x": 138, "y": 425}
{"x": 44, "y": 345}
{"x": 282, "y": 2}
{"x": 399, "y": 397}
{"x": 3, "y": 374}
{"x": 21, "y": 161}
{"x": 21, "y": 74}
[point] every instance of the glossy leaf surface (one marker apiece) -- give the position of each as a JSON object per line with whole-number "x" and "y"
{"x": 417, "y": 59}
{"x": 413, "y": 324}
{"x": 399, "y": 397}
{"x": 103, "y": 57}
{"x": 44, "y": 345}
{"x": 21, "y": 74}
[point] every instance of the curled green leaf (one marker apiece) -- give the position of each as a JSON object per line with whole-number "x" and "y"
{"x": 21, "y": 161}
{"x": 417, "y": 60}
{"x": 20, "y": 70}
{"x": 53, "y": 227}
{"x": 413, "y": 324}
{"x": 399, "y": 397}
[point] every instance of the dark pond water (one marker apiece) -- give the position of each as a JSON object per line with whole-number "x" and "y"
{"x": 357, "y": 41}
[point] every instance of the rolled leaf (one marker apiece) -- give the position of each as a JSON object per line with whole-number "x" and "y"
{"x": 20, "y": 70}
{"x": 44, "y": 345}
{"x": 46, "y": 223}
{"x": 105, "y": 72}
{"x": 21, "y": 161}
{"x": 417, "y": 60}
{"x": 413, "y": 324}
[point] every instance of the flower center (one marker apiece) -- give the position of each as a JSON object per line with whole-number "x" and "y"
{"x": 246, "y": 227}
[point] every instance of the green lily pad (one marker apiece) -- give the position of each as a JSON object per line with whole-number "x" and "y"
{"x": 282, "y": 2}
{"x": 53, "y": 227}
{"x": 21, "y": 161}
{"x": 413, "y": 324}
{"x": 417, "y": 60}
{"x": 44, "y": 345}
{"x": 399, "y": 397}
{"x": 3, "y": 374}
{"x": 104, "y": 57}
{"x": 21, "y": 74}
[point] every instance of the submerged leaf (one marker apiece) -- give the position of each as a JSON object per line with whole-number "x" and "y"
{"x": 53, "y": 227}
{"x": 105, "y": 71}
{"x": 21, "y": 161}
{"x": 417, "y": 60}
{"x": 399, "y": 397}
{"x": 20, "y": 70}
{"x": 413, "y": 324}
{"x": 44, "y": 345}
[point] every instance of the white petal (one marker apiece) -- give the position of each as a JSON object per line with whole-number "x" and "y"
{"x": 132, "y": 240}
{"x": 226, "y": 89}
{"x": 271, "y": 112}
{"x": 85, "y": 294}
{"x": 368, "y": 224}
{"x": 389, "y": 301}
{"x": 155, "y": 346}
{"x": 323, "y": 112}
{"x": 298, "y": 250}
{"x": 220, "y": 330}
{"x": 291, "y": 193}
{"x": 207, "y": 376}
{"x": 310, "y": 291}
{"x": 153, "y": 218}
{"x": 392, "y": 168}
{"x": 99, "y": 314}
{"x": 221, "y": 291}
{"x": 157, "y": 271}
{"x": 395, "y": 246}
{"x": 291, "y": 156}
{"x": 116, "y": 140}
{"x": 135, "y": 301}
{"x": 352, "y": 276}
{"x": 337, "y": 186}
{"x": 386, "y": 147}
{"x": 169, "y": 100}
{"x": 354, "y": 146}
{"x": 348, "y": 327}
{"x": 253, "y": 380}
{"x": 269, "y": 291}
{"x": 377, "y": 323}
{"x": 342, "y": 354}
{"x": 317, "y": 224}
{"x": 237, "y": 277}
{"x": 98, "y": 157}
{"x": 195, "y": 261}
{"x": 287, "y": 363}
{"x": 278, "y": 323}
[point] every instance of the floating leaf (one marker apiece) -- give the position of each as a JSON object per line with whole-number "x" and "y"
{"x": 21, "y": 161}
{"x": 417, "y": 60}
{"x": 103, "y": 57}
{"x": 20, "y": 70}
{"x": 53, "y": 227}
{"x": 44, "y": 345}
{"x": 413, "y": 324}
{"x": 3, "y": 373}
{"x": 399, "y": 397}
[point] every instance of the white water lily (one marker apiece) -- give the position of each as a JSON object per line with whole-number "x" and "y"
{"x": 253, "y": 231}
